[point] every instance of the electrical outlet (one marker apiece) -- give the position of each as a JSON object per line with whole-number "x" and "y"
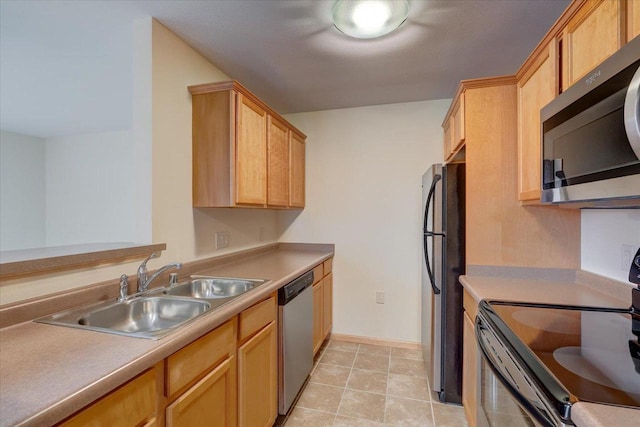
{"x": 223, "y": 239}
{"x": 626, "y": 257}
{"x": 379, "y": 297}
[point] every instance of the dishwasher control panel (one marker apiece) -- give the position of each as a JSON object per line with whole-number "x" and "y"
{"x": 290, "y": 290}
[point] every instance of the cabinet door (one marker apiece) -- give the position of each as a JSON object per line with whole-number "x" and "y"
{"x": 277, "y": 163}
{"x": 448, "y": 138}
{"x": 458, "y": 124}
{"x": 251, "y": 153}
{"x": 633, "y": 19}
{"x": 591, "y": 36}
{"x": 296, "y": 170}
{"x": 258, "y": 380}
{"x": 210, "y": 402}
{"x": 317, "y": 316}
{"x": 130, "y": 405}
{"x": 469, "y": 372}
{"x": 535, "y": 90}
{"x": 327, "y": 304}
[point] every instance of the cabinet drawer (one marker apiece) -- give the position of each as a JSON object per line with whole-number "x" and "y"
{"x": 318, "y": 273}
{"x": 194, "y": 360}
{"x": 256, "y": 317}
{"x": 328, "y": 266}
{"x": 130, "y": 405}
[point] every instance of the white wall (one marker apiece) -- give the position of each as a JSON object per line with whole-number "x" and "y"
{"x": 602, "y": 236}
{"x": 363, "y": 190}
{"x": 89, "y": 188}
{"x": 160, "y": 172}
{"x": 22, "y": 191}
{"x": 188, "y": 232}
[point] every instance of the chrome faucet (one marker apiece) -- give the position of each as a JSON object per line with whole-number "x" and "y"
{"x": 143, "y": 280}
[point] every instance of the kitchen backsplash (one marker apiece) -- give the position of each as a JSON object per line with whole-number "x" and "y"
{"x": 605, "y": 237}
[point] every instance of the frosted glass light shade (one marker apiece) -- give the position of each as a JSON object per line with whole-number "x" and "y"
{"x": 367, "y": 19}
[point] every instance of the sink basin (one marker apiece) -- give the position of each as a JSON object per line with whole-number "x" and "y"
{"x": 147, "y": 317}
{"x": 156, "y": 312}
{"x": 213, "y": 287}
{"x": 145, "y": 314}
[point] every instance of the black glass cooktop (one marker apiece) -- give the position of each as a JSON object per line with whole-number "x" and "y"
{"x": 587, "y": 350}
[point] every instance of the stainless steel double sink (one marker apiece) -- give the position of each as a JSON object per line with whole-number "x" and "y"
{"x": 157, "y": 312}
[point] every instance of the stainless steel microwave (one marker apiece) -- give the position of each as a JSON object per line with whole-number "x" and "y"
{"x": 591, "y": 136}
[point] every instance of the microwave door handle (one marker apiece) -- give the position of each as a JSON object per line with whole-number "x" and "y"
{"x": 631, "y": 113}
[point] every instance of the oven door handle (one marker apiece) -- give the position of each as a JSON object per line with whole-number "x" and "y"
{"x": 487, "y": 338}
{"x": 632, "y": 114}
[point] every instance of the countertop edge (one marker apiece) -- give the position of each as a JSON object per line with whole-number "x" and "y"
{"x": 608, "y": 292}
{"x": 598, "y": 415}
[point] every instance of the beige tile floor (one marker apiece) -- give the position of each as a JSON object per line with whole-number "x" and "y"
{"x": 368, "y": 385}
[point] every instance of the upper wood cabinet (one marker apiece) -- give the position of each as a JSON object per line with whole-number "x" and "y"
{"x": 454, "y": 127}
{"x": 296, "y": 170}
{"x": 244, "y": 153}
{"x": 590, "y": 36}
{"x": 448, "y": 138}
{"x": 537, "y": 86}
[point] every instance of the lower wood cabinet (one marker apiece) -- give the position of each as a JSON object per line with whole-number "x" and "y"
{"x": 226, "y": 378}
{"x": 258, "y": 365}
{"x": 469, "y": 372}
{"x": 317, "y": 316}
{"x": 210, "y": 402}
{"x": 201, "y": 384}
{"x": 327, "y": 304}
{"x": 258, "y": 379}
{"x": 132, "y": 404}
{"x": 322, "y": 305}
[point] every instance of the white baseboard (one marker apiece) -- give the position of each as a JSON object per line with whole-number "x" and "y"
{"x": 376, "y": 341}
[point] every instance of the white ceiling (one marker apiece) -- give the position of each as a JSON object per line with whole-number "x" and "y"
{"x": 66, "y": 66}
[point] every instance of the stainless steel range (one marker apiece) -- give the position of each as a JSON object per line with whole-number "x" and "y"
{"x": 540, "y": 359}
{"x": 548, "y": 357}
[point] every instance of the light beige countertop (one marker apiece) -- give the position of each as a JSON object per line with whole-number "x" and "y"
{"x": 559, "y": 287}
{"x": 49, "y": 372}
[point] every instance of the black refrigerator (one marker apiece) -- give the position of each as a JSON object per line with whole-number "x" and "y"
{"x": 443, "y": 198}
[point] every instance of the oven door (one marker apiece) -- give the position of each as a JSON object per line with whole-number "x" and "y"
{"x": 508, "y": 395}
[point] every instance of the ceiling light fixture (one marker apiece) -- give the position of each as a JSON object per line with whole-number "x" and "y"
{"x": 368, "y": 19}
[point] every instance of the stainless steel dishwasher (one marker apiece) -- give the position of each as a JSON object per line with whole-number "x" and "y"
{"x": 295, "y": 338}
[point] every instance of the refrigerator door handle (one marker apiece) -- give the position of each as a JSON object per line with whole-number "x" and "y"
{"x": 428, "y": 263}
{"x": 437, "y": 177}
{"x": 430, "y": 196}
